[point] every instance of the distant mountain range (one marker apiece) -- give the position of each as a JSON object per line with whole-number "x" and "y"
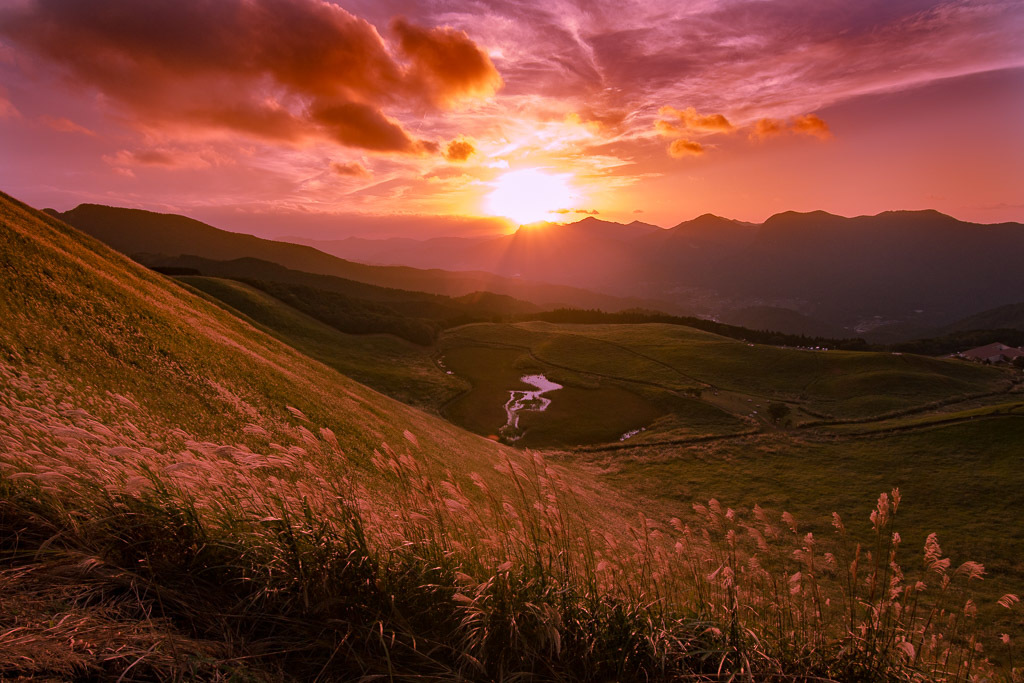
{"x": 161, "y": 239}
{"x": 890, "y": 277}
{"x": 899, "y": 273}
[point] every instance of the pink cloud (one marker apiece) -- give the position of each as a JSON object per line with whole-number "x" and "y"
{"x": 8, "y": 110}
{"x": 350, "y": 169}
{"x": 165, "y": 157}
{"x": 65, "y": 125}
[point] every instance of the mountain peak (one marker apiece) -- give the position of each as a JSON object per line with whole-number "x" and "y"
{"x": 923, "y": 214}
{"x": 706, "y": 220}
{"x": 611, "y": 230}
{"x": 801, "y": 217}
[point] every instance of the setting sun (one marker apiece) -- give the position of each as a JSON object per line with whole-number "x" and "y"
{"x": 529, "y": 196}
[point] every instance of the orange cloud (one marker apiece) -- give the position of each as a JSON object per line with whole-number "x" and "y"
{"x": 766, "y": 128}
{"x": 686, "y": 121}
{"x": 807, "y": 124}
{"x": 682, "y": 148}
{"x": 689, "y": 120}
{"x": 351, "y": 169}
{"x": 267, "y": 68}
{"x": 668, "y": 128}
{"x": 459, "y": 150}
{"x": 611, "y": 119}
{"x": 360, "y": 125}
{"x": 446, "y": 64}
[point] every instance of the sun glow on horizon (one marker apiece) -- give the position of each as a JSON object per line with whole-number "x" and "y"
{"x": 529, "y": 195}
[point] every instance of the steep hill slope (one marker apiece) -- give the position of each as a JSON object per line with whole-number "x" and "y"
{"x": 164, "y": 447}
{"x": 390, "y": 365}
{"x": 101, "y": 319}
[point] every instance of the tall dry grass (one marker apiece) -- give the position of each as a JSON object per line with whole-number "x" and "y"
{"x": 271, "y": 557}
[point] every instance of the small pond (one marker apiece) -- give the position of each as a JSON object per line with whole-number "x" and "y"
{"x": 520, "y": 400}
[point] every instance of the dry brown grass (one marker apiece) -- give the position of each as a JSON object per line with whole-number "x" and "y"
{"x": 155, "y": 555}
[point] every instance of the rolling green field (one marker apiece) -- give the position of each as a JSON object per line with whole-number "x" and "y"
{"x": 676, "y": 382}
{"x": 948, "y": 434}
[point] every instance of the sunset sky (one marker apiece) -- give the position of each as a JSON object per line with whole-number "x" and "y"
{"x": 423, "y": 118}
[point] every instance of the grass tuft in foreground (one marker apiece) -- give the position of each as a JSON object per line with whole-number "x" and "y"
{"x": 200, "y": 560}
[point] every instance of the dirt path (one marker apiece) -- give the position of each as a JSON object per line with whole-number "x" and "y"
{"x": 802, "y": 430}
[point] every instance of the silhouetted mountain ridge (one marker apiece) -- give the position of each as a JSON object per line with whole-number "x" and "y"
{"x": 889, "y": 276}
{"x": 149, "y": 237}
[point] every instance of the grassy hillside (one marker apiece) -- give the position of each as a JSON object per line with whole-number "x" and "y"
{"x": 392, "y": 366}
{"x": 437, "y": 306}
{"x": 183, "y": 496}
{"x": 355, "y": 307}
{"x": 126, "y": 397}
{"x": 678, "y": 382}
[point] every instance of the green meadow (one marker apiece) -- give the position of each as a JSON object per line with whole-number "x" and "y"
{"x": 676, "y": 382}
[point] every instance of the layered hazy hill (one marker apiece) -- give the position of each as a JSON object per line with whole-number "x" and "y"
{"x": 891, "y": 277}
{"x": 901, "y": 272}
{"x": 161, "y": 239}
{"x": 1010, "y": 316}
{"x": 462, "y": 253}
{"x": 889, "y": 264}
